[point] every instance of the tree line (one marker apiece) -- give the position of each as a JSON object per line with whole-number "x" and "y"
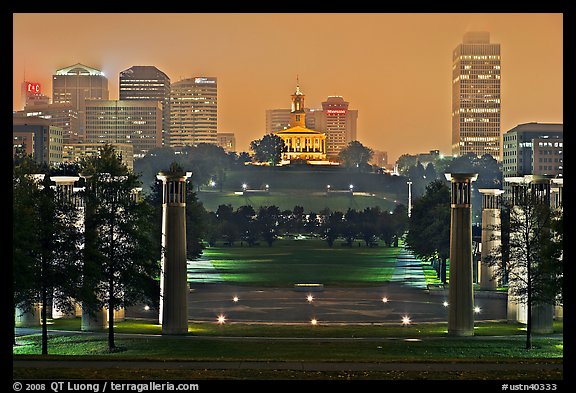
{"x": 250, "y": 226}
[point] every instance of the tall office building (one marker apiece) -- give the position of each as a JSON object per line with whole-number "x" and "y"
{"x": 125, "y": 121}
{"x": 36, "y": 136}
{"x": 63, "y": 116}
{"x": 32, "y": 94}
{"x": 534, "y": 149}
{"x": 476, "y": 96}
{"x": 279, "y": 119}
{"x": 193, "y": 112}
{"x": 338, "y": 122}
{"x": 74, "y": 85}
{"x": 147, "y": 83}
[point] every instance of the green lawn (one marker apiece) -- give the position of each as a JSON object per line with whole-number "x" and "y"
{"x": 303, "y": 261}
{"x": 433, "y": 329}
{"x": 311, "y": 202}
{"x": 414, "y": 348}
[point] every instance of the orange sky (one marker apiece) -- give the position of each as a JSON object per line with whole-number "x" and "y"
{"x": 395, "y": 69}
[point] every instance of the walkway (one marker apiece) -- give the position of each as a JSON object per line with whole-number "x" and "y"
{"x": 408, "y": 270}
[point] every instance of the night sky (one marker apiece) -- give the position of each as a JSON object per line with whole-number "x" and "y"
{"x": 395, "y": 69}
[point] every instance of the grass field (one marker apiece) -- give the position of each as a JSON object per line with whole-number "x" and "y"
{"x": 291, "y": 261}
{"x": 311, "y": 202}
{"x": 432, "y": 329}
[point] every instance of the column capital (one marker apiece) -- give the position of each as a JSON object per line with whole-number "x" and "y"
{"x": 461, "y": 188}
{"x": 174, "y": 176}
{"x": 461, "y": 177}
{"x": 491, "y": 191}
{"x": 64, "y": 180}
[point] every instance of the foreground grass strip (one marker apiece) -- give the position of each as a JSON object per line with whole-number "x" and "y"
{"x": 174, "y": 374}
{"x": 328, "y": 331}
{"x": 321, "y": 350}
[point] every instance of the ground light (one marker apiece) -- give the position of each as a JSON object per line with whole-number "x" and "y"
{"x": 406, "y": 320}
{"x": 309, "y": 298}
{"x": 477, "y": 310}
{"x": 314, "y": 321}
{"x": 235, "y": 299}
{"x": 384, "y": 299}
{"x": 445, "y": 304}
{"x": 221, "y": 319}
{"x": 146, "y": 308}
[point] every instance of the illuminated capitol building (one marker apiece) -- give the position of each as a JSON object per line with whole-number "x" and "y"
{"x": 301, "y": 143}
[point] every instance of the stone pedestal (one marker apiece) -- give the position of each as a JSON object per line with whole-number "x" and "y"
{"x": 174, "y": 278}
{"x": 96, "y": 322}
{"x": 460, "y": 292}
{"x": 28, "y": 318}
{"x": 119, "y": 315}
{"x": 542, "y": 318}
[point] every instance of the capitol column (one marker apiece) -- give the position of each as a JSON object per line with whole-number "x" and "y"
{"x": 491, "y": 235}
{"x": 542, "y": 311}
{"x": 173, "y": 277}
{"x": 65, "y": 190}
{"x": 92, "y": 319}
{"x": 460, "y": 290}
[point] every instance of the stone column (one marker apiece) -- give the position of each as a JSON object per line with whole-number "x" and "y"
{"x": 491, "y": 204}
{"x": 174, "y": 279}
{"x": 542, "y": 313}
{"x": 98, "y": 319}
{"x": 64, "y": 191}
{"x": 460, "y": 291}
{"x": 557, "y": 203}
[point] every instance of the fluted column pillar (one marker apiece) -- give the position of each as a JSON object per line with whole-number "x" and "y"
{"x": 173, "y": 278}
{"x": 460, "y": 290}
{"x": 491, "y": 235}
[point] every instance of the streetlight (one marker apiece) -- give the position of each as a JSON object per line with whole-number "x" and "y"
{"x": 409, "y": 198}
{"x": 351, "y": 187}
{"x": 212, "y": 183}
{"x": 406, "y": 320}
{"x": 244, "y": 186}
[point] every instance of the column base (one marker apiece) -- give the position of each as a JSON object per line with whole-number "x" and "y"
{"x": 460, "y": 333}
{"x": 174, "y": 331}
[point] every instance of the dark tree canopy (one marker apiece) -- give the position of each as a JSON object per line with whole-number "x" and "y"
{"x": 429, "y": 227}
{"x": 356, "y": 155}
{"x": 268, "y": 149}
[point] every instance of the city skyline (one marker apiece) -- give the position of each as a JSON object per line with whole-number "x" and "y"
{"x": 395, "y": 67}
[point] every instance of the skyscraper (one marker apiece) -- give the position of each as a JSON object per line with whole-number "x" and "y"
{"x": 125, "y": 121}
{"x": 76, "y": 83}
{"x": 193, "y": 112}
{"x": 277, "y": 120}
{"x": 147, "y": 83}
{"x": 338, "y": 122}
{"x": 476, "y": 96}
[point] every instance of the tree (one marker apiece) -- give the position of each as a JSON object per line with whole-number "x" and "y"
{"x": 429, "y": 226}
{"x": 332, "y": 227}
{"x": 533, "y": 265}
{"x": 268, "y": 149}
{"x": 124, "y": 247}
{"x": 267, "y": 220}
{"x": 46, "y": 243}
{"x": 356, "y": 155}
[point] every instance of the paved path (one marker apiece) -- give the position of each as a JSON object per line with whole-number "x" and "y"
{"x": 408, "y": 270}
